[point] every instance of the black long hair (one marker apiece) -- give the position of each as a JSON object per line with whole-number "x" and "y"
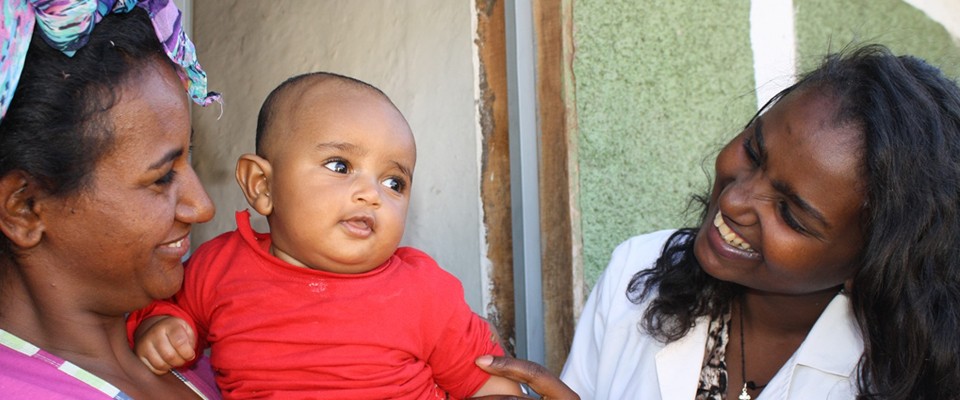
{"x": 56, "y": 129}
{"x": 906, "y": 293}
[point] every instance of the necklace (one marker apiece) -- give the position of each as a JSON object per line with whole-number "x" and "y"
{"x": 743, "y": 365}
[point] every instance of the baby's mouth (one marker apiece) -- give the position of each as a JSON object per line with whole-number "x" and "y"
{"x": 729, "y": 235}
{"x": 362, "y": 223}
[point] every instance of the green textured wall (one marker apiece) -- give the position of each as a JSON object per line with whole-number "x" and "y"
{"x": 659, "y": 86}
{"x": 829, "y": 25}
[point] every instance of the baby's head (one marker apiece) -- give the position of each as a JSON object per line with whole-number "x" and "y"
{"x": 332, "y": 173}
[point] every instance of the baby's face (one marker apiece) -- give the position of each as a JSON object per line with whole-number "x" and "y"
{"x": 341, "y": 181}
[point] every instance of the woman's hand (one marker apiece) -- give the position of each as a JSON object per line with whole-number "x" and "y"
{"x": 529, "y": 373}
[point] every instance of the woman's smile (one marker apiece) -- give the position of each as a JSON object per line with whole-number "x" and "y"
{"x": 729, "y": 236}
{"x": 722, "y": 240}
{"x": 177, "y": 248}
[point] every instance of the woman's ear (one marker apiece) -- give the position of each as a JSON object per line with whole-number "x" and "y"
{"x": 19, "y": 214}
{"x": 253, "y": 175}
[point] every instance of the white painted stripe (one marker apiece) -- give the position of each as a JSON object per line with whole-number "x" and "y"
{"x": 486, "y": 265}
{"x": 946, "y": 12}
{"x": 773, "y": 39}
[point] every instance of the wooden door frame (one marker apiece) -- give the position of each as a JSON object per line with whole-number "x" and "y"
{"x": 561, "y": 263}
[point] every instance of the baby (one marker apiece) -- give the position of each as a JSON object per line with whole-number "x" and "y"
{"x": 326, "y": 304}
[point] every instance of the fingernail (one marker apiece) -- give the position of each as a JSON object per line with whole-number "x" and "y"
{"x": 484, "y": 360}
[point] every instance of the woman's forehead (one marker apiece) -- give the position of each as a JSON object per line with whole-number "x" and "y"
{"x": 810, "y": 149}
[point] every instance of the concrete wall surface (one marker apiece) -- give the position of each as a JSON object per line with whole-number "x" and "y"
{"x": 659, "y": 87}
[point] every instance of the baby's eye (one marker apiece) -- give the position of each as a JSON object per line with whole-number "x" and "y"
{"x": 338, "y": 166}
{"x": 395, "y": 184}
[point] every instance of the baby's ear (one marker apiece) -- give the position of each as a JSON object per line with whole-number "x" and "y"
{"x": 253, "y": 175}
{"x": 20, "y": 218}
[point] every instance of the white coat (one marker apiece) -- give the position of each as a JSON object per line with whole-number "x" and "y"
{"x": 612, "y": 357}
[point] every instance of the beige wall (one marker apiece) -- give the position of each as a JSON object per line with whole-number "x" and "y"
{"x": 419, "y": 52}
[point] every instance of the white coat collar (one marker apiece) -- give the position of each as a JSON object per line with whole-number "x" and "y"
{"x": 834, "y": 346}
{"x": 679, "y": 363}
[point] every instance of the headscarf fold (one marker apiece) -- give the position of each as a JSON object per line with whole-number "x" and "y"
{"x": 66, "y": 26}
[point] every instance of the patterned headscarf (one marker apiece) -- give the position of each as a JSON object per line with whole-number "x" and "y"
{"x": 66, "y": 25}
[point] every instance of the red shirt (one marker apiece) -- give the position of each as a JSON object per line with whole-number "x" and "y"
{"x": 400, "y": 331}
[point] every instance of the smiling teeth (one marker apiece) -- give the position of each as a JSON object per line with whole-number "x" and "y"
{"x": 729, "y": 235}
{"x": 178, "y": 244}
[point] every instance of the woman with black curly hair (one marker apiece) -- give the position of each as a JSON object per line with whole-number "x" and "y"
{"x": 97, "y": 193}
{"x": 826, "y": 265}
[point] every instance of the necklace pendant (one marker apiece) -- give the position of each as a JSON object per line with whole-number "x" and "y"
{"x": 744, "y": 395}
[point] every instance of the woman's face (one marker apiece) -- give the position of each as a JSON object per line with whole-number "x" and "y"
{"x": 785, "y": 211}
{"x": 119, "y": 243}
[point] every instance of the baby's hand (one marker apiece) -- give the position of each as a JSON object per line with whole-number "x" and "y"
{"x": 164, "y": 343}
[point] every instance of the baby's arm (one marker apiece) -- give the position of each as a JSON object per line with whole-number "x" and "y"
{"x": 164, "y": 342}
{"x": 498, "y": 385}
